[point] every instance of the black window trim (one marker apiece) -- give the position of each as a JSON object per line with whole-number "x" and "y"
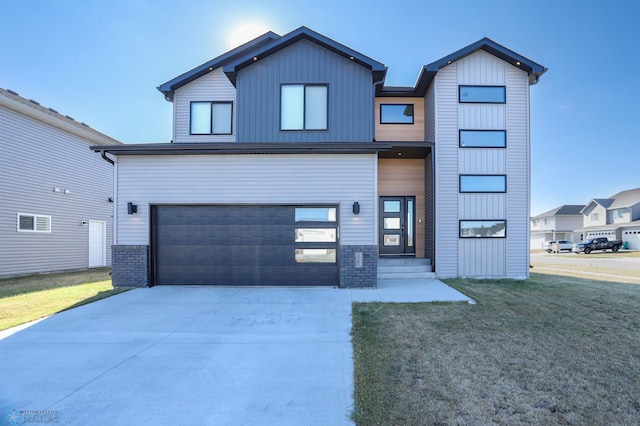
{"x": 481, "y": 220}
{"x": 210, "y": 118}
{"x": 460, "y": 86}
{"x": 304, "y": 105}
{"x": 504, "y": 131}
{"x": 460, "y": 176}
{"x": 413, "y": 116}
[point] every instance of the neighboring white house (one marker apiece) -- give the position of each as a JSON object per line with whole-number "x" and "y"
{"x": 556, "y": 224}
{"x": 56, "y": 211}
{"x": 616, "y": 217}
{"x": 298, "y": 135}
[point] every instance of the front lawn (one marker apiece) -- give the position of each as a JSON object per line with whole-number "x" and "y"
{"x": 550, "y": 350}
{"x": 28, "y": 298}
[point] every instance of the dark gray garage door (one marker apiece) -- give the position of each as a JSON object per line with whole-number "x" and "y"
{"x": 244, "y": 245}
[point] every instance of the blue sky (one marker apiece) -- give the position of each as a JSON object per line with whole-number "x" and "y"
{"x": 101, "y": 61}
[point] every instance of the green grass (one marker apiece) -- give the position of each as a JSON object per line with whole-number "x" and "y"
{"x": 28, "y": 298}
{"x": 549, "y": 350}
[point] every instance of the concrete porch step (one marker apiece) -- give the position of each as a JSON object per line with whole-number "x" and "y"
{"x": 397, "y": 268}
{"x": 405, "y": 275}
{"x": 401, "y": 261}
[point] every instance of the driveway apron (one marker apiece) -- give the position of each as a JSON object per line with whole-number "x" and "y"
{"x": 175, "y": 355}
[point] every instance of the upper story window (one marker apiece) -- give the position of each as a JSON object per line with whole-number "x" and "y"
{"x": 304, "y": 107}
{"x": 618, "y": 214}
{"x": 482, "y": 94}
{"x": 483, "y": 138}
{"x": 396, "y": 114}
{"x": 33, "y": 223}
{"x": 593, "y": 216}
{"x": 211, "y": 118}
{"x": 483, "y": 229}
{"x": 483, "y": 183}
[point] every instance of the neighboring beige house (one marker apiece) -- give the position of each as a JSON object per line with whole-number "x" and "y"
{"x": 556, "y": 224}
{"x": 57, "y": 196}
{"x": 616, "y": 217}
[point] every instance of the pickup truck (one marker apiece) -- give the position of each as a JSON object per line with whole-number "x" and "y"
{"x": 597, "y": 244}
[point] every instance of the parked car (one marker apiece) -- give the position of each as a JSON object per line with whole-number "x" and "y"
{"x": 602, "y": 243}
{"x": 550, "y": 246}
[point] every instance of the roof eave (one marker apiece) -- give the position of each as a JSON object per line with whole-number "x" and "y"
{"x": 243, "y": 148}
{"x": 533, "y": 69}
{"x": 170, "y": 86}
{"x": 303, "y": 33}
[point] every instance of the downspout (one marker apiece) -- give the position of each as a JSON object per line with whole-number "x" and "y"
{"x": 104, "y": 156}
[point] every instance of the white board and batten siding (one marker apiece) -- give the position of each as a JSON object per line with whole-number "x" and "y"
{"x": 214, "y": 86}
{"x": 248, "y": 179}
{"x": 36, "y": 158}
{"x": 500, "y": 257}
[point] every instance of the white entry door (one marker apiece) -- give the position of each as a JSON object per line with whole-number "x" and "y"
{"x": 97, "y": 244}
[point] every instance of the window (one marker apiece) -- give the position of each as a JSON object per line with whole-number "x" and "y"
{"x": 303, "y": 107}
{"x": 483, "y": 228}
{"x": 396, "y": 114}
{"x": 482, "y": 94}
{"x": 593, "y": 216}
{"x": 211, "y": 118}
{"x": 33, "y": 223}
{"x": 315, "y": 255}
{"x": 317, "y": 235}
{"x": 483, "y": 183}
{"x": 619, "y": 214}
{"x": 483, "y": 138}
{"x": 315, "y": 214}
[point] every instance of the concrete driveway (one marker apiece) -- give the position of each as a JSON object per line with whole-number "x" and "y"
{"x": 195, "y": 356}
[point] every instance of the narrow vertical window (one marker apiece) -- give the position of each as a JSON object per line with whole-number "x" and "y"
{"x": 200, "y": 118}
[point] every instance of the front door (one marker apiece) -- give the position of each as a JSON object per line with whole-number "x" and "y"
{"x": 397, "y": 225}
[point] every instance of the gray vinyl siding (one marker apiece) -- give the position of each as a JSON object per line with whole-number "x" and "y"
{"x": 482, "y": 257}
{"x": 446, "y": 173}
{"x": 350, "y": 96}
{"x": 248, "y": 179}
{"x": 36, "y": 157}
{"x": 214, "y": 86}
{"x": 518, "y": 166}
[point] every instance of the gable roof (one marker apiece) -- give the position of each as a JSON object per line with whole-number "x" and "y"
{"x": 626, "y": 198}
{"x": 33, "y": 109}
{"x": 170, "y": 86}
{"x": 604, "y": 202}
{"x": 428, "y": 72}
{"x": 564, "y": 210}
{"x": 303, "y": 33}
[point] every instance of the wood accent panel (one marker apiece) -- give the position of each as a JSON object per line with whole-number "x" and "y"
{"x": 405, "y": 178}
{"x": 401, "y": 132}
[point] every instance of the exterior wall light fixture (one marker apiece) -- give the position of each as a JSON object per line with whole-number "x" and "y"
{"x": 356, "y": 207}
{"x": 132, "y": 208}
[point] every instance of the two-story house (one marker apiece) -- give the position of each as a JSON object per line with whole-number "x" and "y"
{"x": 293, "y": 164}
{"x": 616, "y": 217}
{"x": 57, "y": 195}
{"x": 556, "y": 224}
